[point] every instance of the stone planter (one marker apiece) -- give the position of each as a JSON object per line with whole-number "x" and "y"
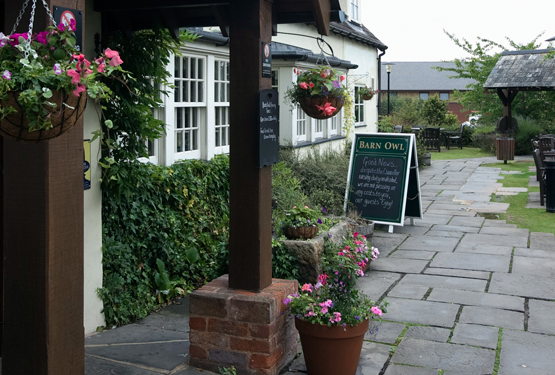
{"x": 365, "y": 227}
{"x": 427, "y": 159}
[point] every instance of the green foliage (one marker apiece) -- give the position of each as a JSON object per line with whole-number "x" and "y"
{"x": 284, "y": 264}
{"x": 409, "y": 112}
{"x": 322, "y": 176}
{"x": 434, "y": 111}
{"x": 484, "y": 138}
{"x": 227, "y": 370}
{"x": 528, "y": 129}
{"x": 537, "y": 105}
{"x": 385, "y": 124}
{"x": 164, "y": 228}
{"x": 286, "y": 188}
{"x": 301, "y": 216}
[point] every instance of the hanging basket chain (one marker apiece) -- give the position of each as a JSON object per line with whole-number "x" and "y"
{"x": 323, "y": 53}
{"x": 31, "y": 21}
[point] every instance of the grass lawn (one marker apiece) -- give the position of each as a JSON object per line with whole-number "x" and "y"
{"x": 457, "y": 153}
{"x": 534, "y": 219}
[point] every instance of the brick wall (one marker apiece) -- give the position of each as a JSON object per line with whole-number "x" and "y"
{"x": 250, "y": 331}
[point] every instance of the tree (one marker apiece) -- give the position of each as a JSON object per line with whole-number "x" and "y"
{"x": 434, "y": 111}
{"x": 537, "y": 105}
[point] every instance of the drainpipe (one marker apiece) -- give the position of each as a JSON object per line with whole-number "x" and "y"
{"x": 380, "y": 81}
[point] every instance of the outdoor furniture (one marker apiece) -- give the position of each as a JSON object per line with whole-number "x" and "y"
{"x": 546, "y": 145}
{"x": 398, "y": 128}
{"x": 454, "y": 137}
{"x": 431, "y": 138}
{"x": 540, "y": 173}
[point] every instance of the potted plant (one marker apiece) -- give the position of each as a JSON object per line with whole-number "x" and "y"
{"x": 45, "y": 82}
{"x": 366, "y": 93}
{"x": 332, "y": 316}
{"x": 320, "y": 92}
{"x": 300, "y": 222}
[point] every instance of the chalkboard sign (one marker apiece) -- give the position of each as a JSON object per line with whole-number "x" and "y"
{"x": 268, "y": 111}
{"x": 382, "y": 172}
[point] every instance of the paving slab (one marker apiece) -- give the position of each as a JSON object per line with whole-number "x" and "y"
{"x": 541, "y": 316}
{"x": 468, "y": 261}
{"x": 395, "y": 369}
{"x": 408, "y": 291}
{"x": 489, "y": 316}
{"x": 473, "y": 197}
{"x": 373, "y": 357}
{"x": 101, "y": 366}
{"x": 421, "y": 312}
{"x": 438, "y": 233}
{"x": 387, "y": 242}
{"x": 467, "y": 221}
{"x": 466, "y": 246}
{"x": 457, "y": 228}
{"x": 458, "y": 273}
{"x": 534, "y": 266}
{"x": 526, "y": 353}
{"x": 428, "y": 333}
{"x": 410, "y": 229}
{"x": 429, "y": 243}
{"x": 132, "y": 333}
{"x": 451, "y": 212}
{"x": 444, "y": 356}
{"x": 174, "y": 317}
{"x": 512, "y": 232}
{"x": 385, "y": 332}
{"x": 525, "y": 252}
{"x": 374, "y": 284}
{"x": 498, "y": 223}
{"x": 489, "y": 207}
{"x": 474, "y": 335}
{"x": 542, "y": 241}
{"x": 410, "y": 254}
{"x": 496, "y": 240}
{"x": 398, "y": 265}
{"x": 523, "y": 285}
{"x": 446, "y": 206}
{"x": 432, "y": 281}
{"x": 433, "y": 219}
{"x": 464, "y": 297}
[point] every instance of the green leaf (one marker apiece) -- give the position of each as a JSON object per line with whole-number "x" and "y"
{"x": 70, "y": 42}
{"x": 109, "y": 124}
{"x": 47, "y": 94}
{"x": 192, "y": 255}
{"x": 59, "y": 54}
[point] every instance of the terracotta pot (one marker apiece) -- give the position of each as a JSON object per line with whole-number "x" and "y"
{"x": 309, "y": 104}
{"x": 331, "y": 350}
{"x": 68, "y": 110}
{"x": 302, "y": 232}
{"x": 367, "y": 96}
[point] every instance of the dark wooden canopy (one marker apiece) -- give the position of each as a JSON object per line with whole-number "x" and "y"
{"x": 133, "y": 15}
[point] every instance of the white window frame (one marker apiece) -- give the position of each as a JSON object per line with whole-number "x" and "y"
{"x": 301, "y": 125}
{"x": 359, "y": 107}
{"x": 355, "y": 10}
{"x": 319, "y": 126}
{"x": 334, "y": 125}
{"x": 191, "y": 106}
{"x": 221, "y": 106}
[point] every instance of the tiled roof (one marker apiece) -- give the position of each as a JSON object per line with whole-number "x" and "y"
{"x": 523, "y": 69}
{"x": 357, "y": 32}
{"x": 285, "y": 51}
{"x": 420, "y": 76}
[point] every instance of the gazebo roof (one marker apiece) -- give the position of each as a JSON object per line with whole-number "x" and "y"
{"x": 528, "y": 70}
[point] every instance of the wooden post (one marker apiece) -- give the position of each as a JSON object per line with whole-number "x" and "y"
{"x": 43, "y": 245}
{"x": 250, "y": 244}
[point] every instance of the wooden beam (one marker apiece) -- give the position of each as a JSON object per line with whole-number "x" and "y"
{"x": 221, "y": 13}
{"x": 126, "y": 5}
{"x": 169, "y": 21}
{"x": 322, "y": 9}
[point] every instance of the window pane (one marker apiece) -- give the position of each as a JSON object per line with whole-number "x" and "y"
{"x": 193, "y": 67}
{"x": 218, "y": 143}
{"x": 195, "y": 139}
{"x": 185, "y": 97}
{"x": 176, "y": 67}
{"x": 443, "y": 96}
{"x": 179, "y": 142}
{"x": 193, "y": 92}
{"x": 179, "y": 118}
{"x": 224, "y": 136}
{"x": 200, "y": 68}
{"x": 187, "y": 141}
{"x": 227, "y": 71}
{"x": 218, "y": 116}
{"x": 216, "y": 91}
{"x": 177, "y": 91}
{"x": 215, "y": 70}
{"x": 187, "y": 117}
{"x": 222, "y": 70}
{"x": 201, "y": 91}
{"x": 185, "y": 67}
{"x": 227, "y": 92}
{"x": 424, "y": 95}
{"x": 222, "y": 92}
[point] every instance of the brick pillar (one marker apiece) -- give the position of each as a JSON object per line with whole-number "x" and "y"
{"x": 248, "y": 330}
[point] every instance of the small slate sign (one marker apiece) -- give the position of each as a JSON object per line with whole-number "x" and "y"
{"x": 65, "y": 15}
{"x": 383, "y": 183}
{"x": 268, "y": 111}
{"x": 266, "y": 61}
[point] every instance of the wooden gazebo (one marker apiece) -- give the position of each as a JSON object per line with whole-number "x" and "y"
{"x": 42, "y": 192}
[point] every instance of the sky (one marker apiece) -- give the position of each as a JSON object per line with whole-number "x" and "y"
{"x": 413, "y": 29}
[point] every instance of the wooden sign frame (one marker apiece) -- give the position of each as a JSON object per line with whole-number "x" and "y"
{"x": 383, "y": 169}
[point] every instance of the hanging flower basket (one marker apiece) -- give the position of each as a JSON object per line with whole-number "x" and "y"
{"x": 367, "y": 96}
{"x": 366, "y": 93}
{"x": 304, "y": 233}
{"x": 316, "y": 107}
{"x": 64, "y": 116}
{"x": 331, "y": 350}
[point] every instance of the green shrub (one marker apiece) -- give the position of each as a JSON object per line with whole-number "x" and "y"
{"x": 527, "y": 130}
{"x": 484, "y": 138}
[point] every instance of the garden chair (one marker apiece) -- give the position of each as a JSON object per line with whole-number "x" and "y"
{"x": 546, "y": 145}
{"x": 540, "y": 174}
{"x": 431, "y": 138}
{"x": 453, "y": 137}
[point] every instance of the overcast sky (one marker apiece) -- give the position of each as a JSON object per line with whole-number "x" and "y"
{"x": 413, "y": 29}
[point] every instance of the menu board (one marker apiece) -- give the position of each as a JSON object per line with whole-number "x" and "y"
{"x": 268, "y": 114}
{"x": 382, "y": 170}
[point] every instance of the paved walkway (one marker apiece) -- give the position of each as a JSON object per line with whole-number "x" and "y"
{"x": 464, "y": 292}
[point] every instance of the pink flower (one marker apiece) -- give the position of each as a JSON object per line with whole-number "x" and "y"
{"x": 114, "y": 56}
{"x": 322, "y": 278}
{"x": 342, "y": 78}
{"x": 376, "y": 310}
{"x": 101, "y": 68}
{"x": 287, "y": 300}
{"x": 75, "y": 74}
{"x": 310, "y": 313}
{"x": 72, "y": 24}
{"x": 15, "y": 38}
{"x": 327, "y": 109}
{"x": 311, "y": 85}
{"x": 324, "y": 310}
{"x": 41, "y": 37}
{"x": 355, "y": 235}
{"x": 7, "y": 75}
{"x": 328, "y": 303}
{"x": 307, "y": 287}
{"x": 303, "y": 85}
{"x": 80, "y": 88}
{"x": 323, "y": 75}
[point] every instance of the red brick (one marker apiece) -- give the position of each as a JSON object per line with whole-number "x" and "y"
{"x": 254, "y": 309}
{"x": 263, "y": 330}
{"x": 265, "y": 361}
{"x": 228, "y": 327}
{"x": 209, "y": 339}
{"x": 208, "y": 303}
{"x": 197, "y": 352}
{"x": 251, "y": 345}
{"x": 197, "y": 323}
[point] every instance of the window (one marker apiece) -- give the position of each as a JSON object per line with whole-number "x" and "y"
{"x": 275, "y": 79}
{"x": 334, "y": 125}
{"x": 424, "y": 95}
{"x": 221, "y": 99}
{"x": 222, "y": 126}
{"x": 358, "y": 106}
{"x": 443, "y": 96}
{"x": 354, "y": 10}
{"x": 319, "y": 128}
{"x": 221, "y": 81}
{"x": 190, "y": 103}
{"x": 301, "y": 125}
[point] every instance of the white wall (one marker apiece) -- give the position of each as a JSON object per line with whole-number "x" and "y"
{"x": 93, "y": 317}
